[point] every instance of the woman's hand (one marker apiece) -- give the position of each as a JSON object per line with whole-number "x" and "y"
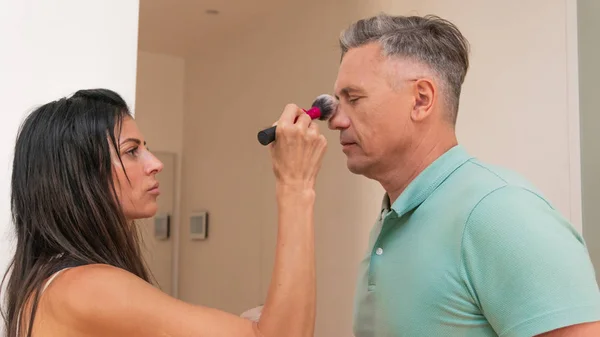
{"x": 297, "y": 151}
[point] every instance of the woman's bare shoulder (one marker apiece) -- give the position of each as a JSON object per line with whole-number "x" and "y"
{"x": 84, "y": 296}
{"x": 104, "y": 300}
{"x": 95, "y": 281}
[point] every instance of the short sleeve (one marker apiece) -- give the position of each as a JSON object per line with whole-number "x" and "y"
{"x": 526, "y": 267}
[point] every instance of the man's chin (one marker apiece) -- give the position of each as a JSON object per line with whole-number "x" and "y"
{"x": 361, "y": 166}
{"x": 355, "y": 167}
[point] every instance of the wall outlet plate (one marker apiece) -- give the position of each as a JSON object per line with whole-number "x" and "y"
{"x": 198, "y": 222}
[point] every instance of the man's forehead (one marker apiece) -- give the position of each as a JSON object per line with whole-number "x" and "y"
{"x": 358, "y": 65}
{"x": 367, "y": 64}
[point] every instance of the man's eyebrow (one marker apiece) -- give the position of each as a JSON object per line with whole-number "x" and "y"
{"x": 346, "y": 91}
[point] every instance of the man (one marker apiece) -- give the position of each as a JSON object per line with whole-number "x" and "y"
{"x": 461, "y": 248}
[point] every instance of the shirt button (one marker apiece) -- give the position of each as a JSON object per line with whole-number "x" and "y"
{"x": 379, "y": 251}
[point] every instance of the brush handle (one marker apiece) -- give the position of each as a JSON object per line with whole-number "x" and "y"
{"x": 267, "y": 136}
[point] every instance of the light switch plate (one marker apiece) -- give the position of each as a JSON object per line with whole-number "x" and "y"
{"x": 198, "y": 225}
{"x": 162, "y": 226}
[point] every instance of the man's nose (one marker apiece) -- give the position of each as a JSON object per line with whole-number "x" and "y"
{"x": 339, "y": 120}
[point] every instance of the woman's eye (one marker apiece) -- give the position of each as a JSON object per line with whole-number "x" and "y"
{"x": 133, "y": 152}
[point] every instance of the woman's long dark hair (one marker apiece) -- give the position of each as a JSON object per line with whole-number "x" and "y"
{"x": 63, "y": 200}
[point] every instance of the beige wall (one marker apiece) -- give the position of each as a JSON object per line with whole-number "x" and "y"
{"x": 589, "y": 54}
{"x": 159, "y": 115}
{"x": 226, "y": 171}
{"x": 519, "y": 77}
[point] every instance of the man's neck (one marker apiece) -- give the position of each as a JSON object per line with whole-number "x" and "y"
{"x": 413, "y": 163}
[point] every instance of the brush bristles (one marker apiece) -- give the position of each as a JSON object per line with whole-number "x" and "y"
{"x": 327, "y": 104}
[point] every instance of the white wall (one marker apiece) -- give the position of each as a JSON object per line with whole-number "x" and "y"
{"x": 51, "y": 49}
{"x": 589, "y": 73}
{"x": 159, "y": 115}
{"x": 519, "y": 79}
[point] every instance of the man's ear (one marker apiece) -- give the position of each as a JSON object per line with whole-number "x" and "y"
{"x": 425, "y": 92}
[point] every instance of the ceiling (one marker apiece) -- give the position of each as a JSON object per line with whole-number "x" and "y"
{"x": 182, "y": 27}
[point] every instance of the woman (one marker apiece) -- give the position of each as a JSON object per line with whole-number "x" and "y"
{"x": 81, "y": 175}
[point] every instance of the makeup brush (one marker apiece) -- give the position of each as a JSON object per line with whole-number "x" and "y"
{"x": 322, "y": 108}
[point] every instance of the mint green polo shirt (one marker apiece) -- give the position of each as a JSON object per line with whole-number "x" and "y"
{"x": 468, "y": 250}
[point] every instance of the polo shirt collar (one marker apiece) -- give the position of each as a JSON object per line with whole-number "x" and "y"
{"x": 427, "y": 181}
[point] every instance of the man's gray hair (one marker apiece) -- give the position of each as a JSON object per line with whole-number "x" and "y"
{"x": 429, "y": 40}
